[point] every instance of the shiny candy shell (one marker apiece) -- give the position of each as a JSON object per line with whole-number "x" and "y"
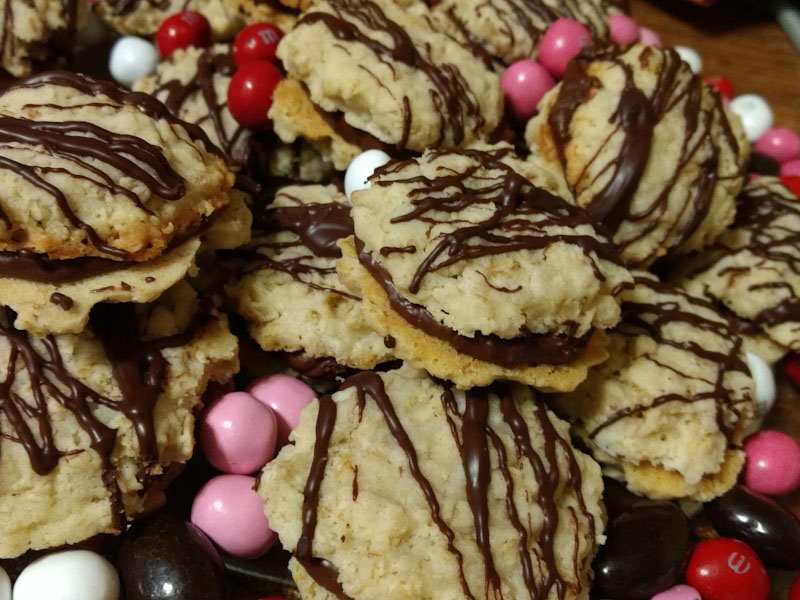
{"x": 250, "y": 93}
{"x": 524, "y": 83}
{"x": 645, "y": 550}
{"x": 361, "y": 168}
{"x": 68, "y": 575}
{"x": 793, "y": 183}
{"x": 132, "y": 58}
{"x": 5, "y": 585}
{"x": 169, "y": 559}
{"x": 755, "y": 113}
{"x": 649, "y": 37}
{"x": 790, "y": 168}
{"x": 181, "y": 30}
{"x": 256, "y": 42}
{"x": 691, "y": 57}
{"x": 287, "y": 397}
{"x": 727, "y": 569}
{"x": 794, "y": 592}
{"x": 679, "y": 592}
{"x": 238, "y": 433}
{"x": 765, "y": 382}
{"x": 561, "y": 42}
{"x": 229, "y": 511}
{"x": 722, "y": 84}
{"x": 773, "y": 463}
{"x": 766, "y": 527}
{"x": 622, "y": 29}
{"x": 780, "y": 143}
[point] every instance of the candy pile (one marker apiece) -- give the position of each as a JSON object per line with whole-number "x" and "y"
{"x": 488, "y": 346}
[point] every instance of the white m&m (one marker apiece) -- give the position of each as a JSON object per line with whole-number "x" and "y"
{"x": 68, "y": 575}
{"x": 362, "y": 167}
{"x": 131, "y": 59}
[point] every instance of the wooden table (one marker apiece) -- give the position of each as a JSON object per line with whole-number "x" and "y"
{"x": 737, "y": 41}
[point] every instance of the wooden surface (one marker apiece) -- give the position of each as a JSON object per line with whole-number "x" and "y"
{"x": 737, "y": 41}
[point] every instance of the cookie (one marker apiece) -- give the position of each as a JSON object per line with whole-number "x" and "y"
{"x": 28, "y": 28}
{"x": 144, "y": 17}
{"x": 289, "y": 291}
{"x": 281, "y": 13}
{"x": 94, "y": 425}
{"x": 754, "y": 267}
{"x": 89, "y": 170}
{"x": 400, "y": 486}
{"x": 646, "y": 147}
{"x": 380, "y": 74}
{"x": 480, "y": 274}
{"x": 509, "y": 30}
{"x": 668, "y": 411}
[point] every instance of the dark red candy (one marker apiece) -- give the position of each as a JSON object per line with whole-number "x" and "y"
{"x": 256, "y": 42}
{"x": 766, "y": 527}
{"x": 793, "y": 183}
{"x": 727, "y": 569}
{"x": 644, "y": 554}
{"x": 722, "y": 84}
{"x": 792, "y": 366}
{"x": 250, "y": 93}
{"x": 187, "y": 28}
{"x": 794, "y": 592}
{"x": 169, "y": 559}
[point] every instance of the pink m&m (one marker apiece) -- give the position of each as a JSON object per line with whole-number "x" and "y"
{"x": 561, "y": 43}
{"x": 649, "y": 37}
{"x": 791, "y": 168}
{"x": 779, "y": 143}
{"x": 622, "y": 29}
{"x": 679, "y": 592}
{"x": 524, "y": 83}
{"x": 238, "y": 433}
{"x": 773, "y": 463}
{"x": 231, "y": 513}
{"x": 287, "y": 397}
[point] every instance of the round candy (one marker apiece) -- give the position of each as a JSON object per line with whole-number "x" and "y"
{"x": 791, "y": 168}
{"x": 793, "y": 183}
{"x": 679, "y": 592}
{"x": 794, "y": 592}
{"x": 231, "y": 513}
{"x": 766, "y": 527}
{"x": 250, "y": 93}
{"x": 524, "y": 83}
{"x": 68, "y": 575}
{"x": 649, "y": 37}
{"x": 755, "y": 113}
{"x": 690, "y": 57}
{"x": 287, "y": 397}
{"x": 722, "y": 84}
{"x": 170, "y": 559}
{"x": 238, "y": 434}
{"x": 131, "y": 59}
{"x": 727, "y": 569}
{"x": 361, "y": 168}
{"x": 5, "y": 585}
{"x": 765, "y": 382}
{"x": 645, "y": 550}
{"x": 773, "y": 463}
{"x": 561, "y": 43}
{"x": 780, "y": 143}
{"x": 256, "y": 42}
{"x": 187, "y": 28}
{"x": 622, "y": 29}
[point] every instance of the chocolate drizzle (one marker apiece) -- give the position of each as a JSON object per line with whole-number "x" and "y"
{"x": 635, "y": 119}
{"x": 476, "y": 439}
{"x": 654, "y": 320}
{"x": 138, "y": 369}
{"x": 450, "y": 93}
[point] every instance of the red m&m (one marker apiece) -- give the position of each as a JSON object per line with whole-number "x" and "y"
{"x": 256, "y": 42}
{"x": 187, "y": 28}
{"x": 250, "y": 93}
{"x": 727, "y": 569}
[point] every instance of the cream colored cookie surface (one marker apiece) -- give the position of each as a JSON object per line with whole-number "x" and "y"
{"x": 646, "y": 147}
{"x": 81, "y": 453}
{"x": 144, "y": 17}
{"x": 424, "y": 491}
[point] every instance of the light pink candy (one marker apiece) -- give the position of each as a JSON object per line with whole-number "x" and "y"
{"x": 231, "y": 513}
{"x": 524, "y": 83}
{"x": 287, "y": 397}
{"x": 238, "y": 433}
{"x": 622, "y": 29}
{"x": 773, "y": 463}
{"x": 649, "y": 37}
{"x": 561, "y": 43}
{"x": 791, "y": 168}
{"x": 679, "y": 592}
{"x": 780, "y": 143}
